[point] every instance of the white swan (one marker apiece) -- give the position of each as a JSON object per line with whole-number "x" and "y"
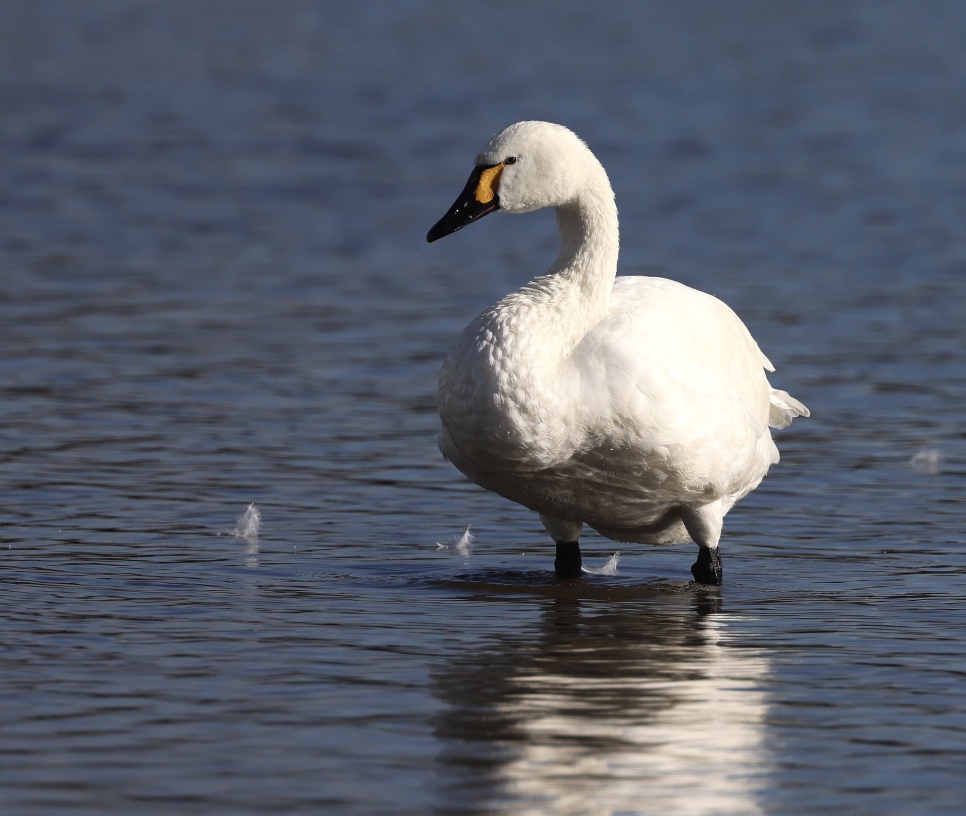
{"x": 637, "y": 406}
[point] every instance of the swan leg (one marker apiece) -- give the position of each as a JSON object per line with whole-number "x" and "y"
{"x": 567, "y": 535}
{"x": 707, "y": 569}
{"x": 567, "y": 563}
{"x": 704, "y": 526}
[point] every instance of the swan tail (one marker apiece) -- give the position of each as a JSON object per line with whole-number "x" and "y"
{"x": 784, "y": 408}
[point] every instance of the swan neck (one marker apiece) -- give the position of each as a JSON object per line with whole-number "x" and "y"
{"x": 589, "y": 244}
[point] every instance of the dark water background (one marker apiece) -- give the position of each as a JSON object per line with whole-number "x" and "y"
{"x": 215, "y": 290}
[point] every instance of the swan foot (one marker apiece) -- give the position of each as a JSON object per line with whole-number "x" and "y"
{"x": 707, "y": 569}
{"x": 567, "y": 563}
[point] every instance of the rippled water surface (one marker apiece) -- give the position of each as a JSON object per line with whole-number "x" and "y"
{"x": 215, "y": 291}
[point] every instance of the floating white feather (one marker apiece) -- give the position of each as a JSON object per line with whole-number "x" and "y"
{"x": 461, "y": 544}
{"x": 610, "y": 568}
{"x": 248, "y": 524}
{"x": 928, "y": 460}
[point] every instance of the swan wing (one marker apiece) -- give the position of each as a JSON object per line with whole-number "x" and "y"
{"x": 784, "y": 408}
{"x": 673, "y": 388}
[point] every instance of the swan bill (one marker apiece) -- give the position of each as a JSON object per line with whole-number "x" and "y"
{"x": 478, "y": 198}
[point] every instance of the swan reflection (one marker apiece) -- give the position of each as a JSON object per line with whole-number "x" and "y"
{"x": 610, "y": 708}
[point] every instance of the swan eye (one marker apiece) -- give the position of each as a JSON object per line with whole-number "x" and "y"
{"x": 510, "y": 160}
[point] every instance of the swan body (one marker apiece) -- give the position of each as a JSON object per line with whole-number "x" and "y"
{"x": 636, "y": 405}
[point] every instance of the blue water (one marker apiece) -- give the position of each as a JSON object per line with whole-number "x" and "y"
{"x": 215, "y": 290}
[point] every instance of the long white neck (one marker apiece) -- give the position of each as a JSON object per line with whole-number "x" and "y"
{"x": 575, "y": 292}
{"x": 513, "y": 359}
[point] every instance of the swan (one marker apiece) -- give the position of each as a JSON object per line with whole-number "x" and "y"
{"x": 635, "y": 405}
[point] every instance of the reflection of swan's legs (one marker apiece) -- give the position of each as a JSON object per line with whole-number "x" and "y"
{"x": 704, "y": 526}
{"x": 567, "y": 535}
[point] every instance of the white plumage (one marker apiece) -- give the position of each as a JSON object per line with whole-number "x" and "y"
{"x": 635, "y": 405}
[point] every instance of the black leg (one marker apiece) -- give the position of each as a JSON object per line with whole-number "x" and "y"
{"x": 567, "y": 562}
{"x": 707, "y": 569}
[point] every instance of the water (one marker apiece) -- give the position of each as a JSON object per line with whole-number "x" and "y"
{"x": 216, "y": 292}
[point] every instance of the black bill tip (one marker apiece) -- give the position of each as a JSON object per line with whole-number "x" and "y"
{"x": 465, "y": 210}
{"x": 459, "y": 217}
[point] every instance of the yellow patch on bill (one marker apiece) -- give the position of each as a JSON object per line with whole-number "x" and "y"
{"x": 486, "y": 188}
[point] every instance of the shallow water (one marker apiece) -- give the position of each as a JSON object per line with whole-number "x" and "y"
{"x": 216, "y": 291}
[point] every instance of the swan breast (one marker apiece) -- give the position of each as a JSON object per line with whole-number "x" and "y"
{"x": 501, "y": 399}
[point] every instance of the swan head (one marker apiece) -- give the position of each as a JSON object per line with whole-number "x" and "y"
{"x": 528, "y": 166}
